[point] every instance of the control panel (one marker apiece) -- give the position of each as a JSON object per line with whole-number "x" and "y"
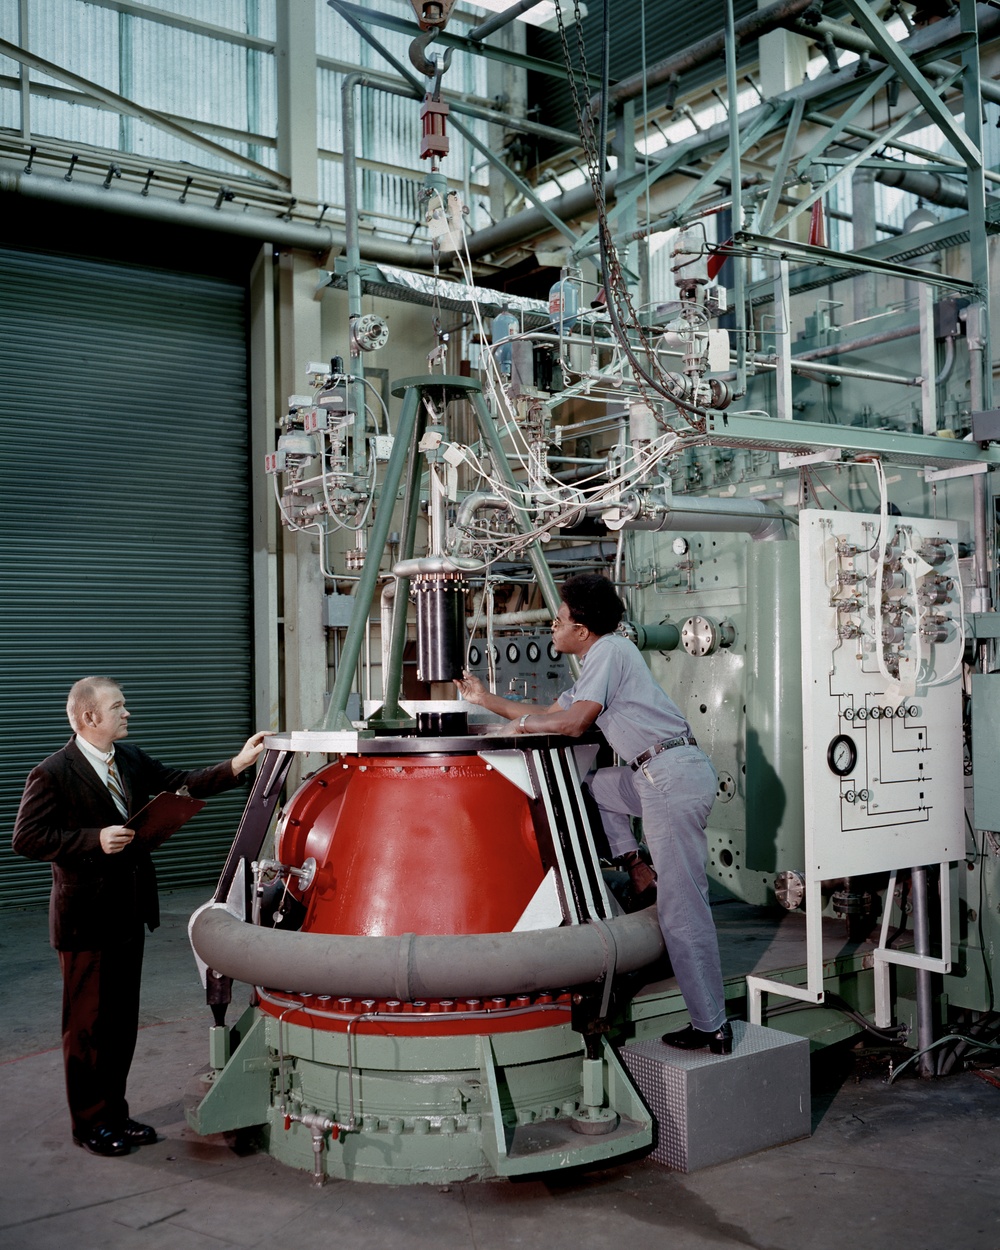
{"x": 883, "y": 635}
{"x": 522, "y": 666}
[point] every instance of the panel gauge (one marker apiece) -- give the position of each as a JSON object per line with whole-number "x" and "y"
{"x": 842, "y": 755}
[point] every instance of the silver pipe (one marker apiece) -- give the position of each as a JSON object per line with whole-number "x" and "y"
{"x": 708, "y": 49}
{"x": 470, "y": 505}
{"x": 857, "y": 345}
{"x": 318, "y": 238}
{"x": 847, "y": 371}
{"x": 498, "y": 20}
{"x": 726, "y": 516}
{"x": 419, "y": 965}
{"x": 386, "y": 607}
{"x": 938, "y": 188}
{"x": 855, "y": 40}
{"x": 921, "y": 946}
{"x": 353, "y": 255}
{"x": 504, "y": 620}
{"x": 432, "y": 564}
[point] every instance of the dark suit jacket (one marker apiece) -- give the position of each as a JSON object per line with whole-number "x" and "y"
{"x": 97, "y": 897}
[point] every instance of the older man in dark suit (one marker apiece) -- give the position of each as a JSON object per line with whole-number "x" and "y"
{"x": 74, "y": 813}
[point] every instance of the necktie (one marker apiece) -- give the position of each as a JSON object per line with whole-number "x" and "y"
{"x": 115, "y": 784}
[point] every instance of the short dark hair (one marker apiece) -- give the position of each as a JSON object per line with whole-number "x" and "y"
{"x": 592, "y": 602}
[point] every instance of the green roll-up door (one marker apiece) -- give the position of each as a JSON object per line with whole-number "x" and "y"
{"x": 124, "y": 527}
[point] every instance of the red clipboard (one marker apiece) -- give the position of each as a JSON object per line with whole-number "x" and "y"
{"x": 161, "y": 817}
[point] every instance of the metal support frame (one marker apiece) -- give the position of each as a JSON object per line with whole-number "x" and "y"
{"x": 738, "y": 430}
{"x": 890, "y": 51}
{"x": 740, "y": 329}
{"x": 390, "y": 714}
{"x": 977, "y": 201}
{"x": 355, "y": 19}
{"x": 886, "y": 955}
{"x": 900, "y": 124}
{"x": 336, "y": 714}
{"x": 467, "y": 43}
{"x": 766, "y": 215}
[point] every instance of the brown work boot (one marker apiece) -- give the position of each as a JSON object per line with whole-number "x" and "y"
{"x": 641, "y": 875}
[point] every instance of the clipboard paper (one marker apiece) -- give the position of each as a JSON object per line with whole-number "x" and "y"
{"x": 162, "y": 817}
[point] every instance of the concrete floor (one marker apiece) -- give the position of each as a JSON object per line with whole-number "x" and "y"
{"x": 913, "y": 1166}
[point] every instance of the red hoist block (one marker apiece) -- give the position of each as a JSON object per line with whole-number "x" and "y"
{"x": 817, "y": 225}
{"x": 406, "y": 844}
{"x": 434, "y": 141}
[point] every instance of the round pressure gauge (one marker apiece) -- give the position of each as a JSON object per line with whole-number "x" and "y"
{"x": 842, "y": 755}
{"x": 513, "y": 654}
{"x": 534, "y": 652}
{"x": 680, "y": 546}
{"x": 474, "y": 656}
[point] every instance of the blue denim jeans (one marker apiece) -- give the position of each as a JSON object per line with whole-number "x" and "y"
{"x": 673, "y": 793}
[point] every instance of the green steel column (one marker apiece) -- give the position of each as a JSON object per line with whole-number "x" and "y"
{"x": 774, "y": 786}
{"x": 972, "y": 90}
{"x": 389, "y": 715}
{"x": 336, "y": 715}
{"x": 736, "y": 183}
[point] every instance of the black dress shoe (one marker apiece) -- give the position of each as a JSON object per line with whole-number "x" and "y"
{"x": 137, "y": 1134}
{"x": 104, "y": 1141}
{"x": 719, "y": 1042}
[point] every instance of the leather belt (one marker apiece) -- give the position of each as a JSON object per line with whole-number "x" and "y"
{"x": 665, "y": 745}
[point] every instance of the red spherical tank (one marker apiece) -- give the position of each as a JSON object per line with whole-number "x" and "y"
{"x": 440, "y": 844}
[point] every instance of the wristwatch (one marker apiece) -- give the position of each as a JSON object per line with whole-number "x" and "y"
{"x": 520, "y": 723}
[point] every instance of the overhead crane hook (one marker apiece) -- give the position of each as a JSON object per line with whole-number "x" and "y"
{"x": 435, "y": 68}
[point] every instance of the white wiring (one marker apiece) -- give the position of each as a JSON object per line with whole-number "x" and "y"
{"x": 385, "y": 411}
{"x": 940, "y": 681}
{"x": 541, "y": 490}
{"x": 883, "y": 542}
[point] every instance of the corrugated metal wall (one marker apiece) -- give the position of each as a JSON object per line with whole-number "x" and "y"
{"x": 124, "y": 520}
{"x": 182, "y": 73}
{"x": 644, "y": 32}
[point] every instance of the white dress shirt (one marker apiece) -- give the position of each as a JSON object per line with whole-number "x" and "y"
{"x": 98, "y": 760}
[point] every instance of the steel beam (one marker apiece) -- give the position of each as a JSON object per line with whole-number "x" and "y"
{"x": 889, "y": 50}
{"x": 800, "y": 437}
{"x": 778, "y": 176}
{"x": 462, "y": 43}
{"x": 347, "y": 12}
{"x": 899, "y": 124}
{"x": 845, "y": 118}
{"x": 808, "y": 253}
{"x": 978, "y": 232}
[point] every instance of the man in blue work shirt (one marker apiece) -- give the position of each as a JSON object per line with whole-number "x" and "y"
{"x": 668, "y": 781}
